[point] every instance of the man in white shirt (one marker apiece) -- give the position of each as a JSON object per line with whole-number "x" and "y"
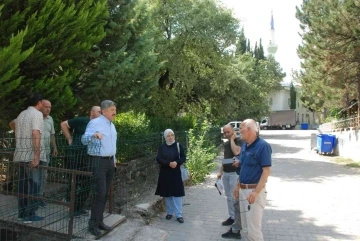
{"x": 29, "y": 127}
{"x": 100, "y": 137}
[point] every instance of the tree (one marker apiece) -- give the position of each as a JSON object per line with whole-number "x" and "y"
{"x": 329, "y": 50}
{"x": 125, "y": 66}
{"x": 59, "y": 35}
{"x": 292, "y": 96}
{"x": 193, "y": 37}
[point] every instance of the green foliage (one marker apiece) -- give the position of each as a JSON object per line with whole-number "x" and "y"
{"x": 124, "y": 66}
{"x": 330, "y": 67}
{"x": 180, "y": 123}
{"x": 59, "y": 35}
{"x": 292, "y": 96}
{"x": 131, "y": 123}
{"x": 192, "y": 41}
{"x": 200, "y": 154}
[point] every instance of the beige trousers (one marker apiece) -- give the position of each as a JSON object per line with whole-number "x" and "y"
{"x": 251, "y": 219}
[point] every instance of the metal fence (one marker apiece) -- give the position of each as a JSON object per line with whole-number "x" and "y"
{"x": 340, "y": 124}
{"x": 64, "y": 199}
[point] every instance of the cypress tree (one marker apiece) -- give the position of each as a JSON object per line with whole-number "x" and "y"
{"x": 125, "y": 65}
{"x": 60, "y": 34}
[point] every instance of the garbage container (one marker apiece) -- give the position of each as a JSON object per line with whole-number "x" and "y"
{"x": 304, "y": 126}
{"x": 326, "y": 143}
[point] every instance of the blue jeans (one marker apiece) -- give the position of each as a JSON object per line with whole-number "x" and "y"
{"x": 229, "y": 180}
{"x": 43, "y": 175}
{"x": 29, "y": 184}
{"x": 174, "y": 204}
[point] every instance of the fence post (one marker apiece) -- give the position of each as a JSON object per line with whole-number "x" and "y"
{"x": 72, "y": 204}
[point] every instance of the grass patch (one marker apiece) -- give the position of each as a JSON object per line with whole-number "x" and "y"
{"x": 346, "y": 162}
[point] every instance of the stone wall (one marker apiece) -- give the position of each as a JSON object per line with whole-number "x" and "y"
{"x": 348, "y": 143}
{"x": 135, "y": 182}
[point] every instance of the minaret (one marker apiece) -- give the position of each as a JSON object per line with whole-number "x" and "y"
{"x": 272, "y": 47}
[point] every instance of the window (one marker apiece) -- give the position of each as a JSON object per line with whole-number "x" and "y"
{"x": 298, "y": 104}
{"x": 270, "y": 101}
{"x": 302, "y": 118}
{"x": 298, "y": 118}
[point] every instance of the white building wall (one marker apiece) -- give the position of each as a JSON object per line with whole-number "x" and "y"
{"x": 280, "y": 100}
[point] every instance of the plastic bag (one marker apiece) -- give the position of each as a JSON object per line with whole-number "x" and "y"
{"x": 184, "y": 173}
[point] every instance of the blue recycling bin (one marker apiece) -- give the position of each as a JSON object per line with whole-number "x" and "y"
{"x": 304, "y": 126}
{"x": 326, "y": 143}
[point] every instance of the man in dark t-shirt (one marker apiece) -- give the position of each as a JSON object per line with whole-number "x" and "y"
{"x": 77, "y": 158}
{"x": 228, "y": 173}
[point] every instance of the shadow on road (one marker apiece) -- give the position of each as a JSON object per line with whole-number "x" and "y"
{"x": 292, "y": 223}
{"x": 277, "y": 148}
{"x": 294, "y": 169}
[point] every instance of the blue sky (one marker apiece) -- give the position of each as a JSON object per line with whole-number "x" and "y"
{"x": 255, "y": 16}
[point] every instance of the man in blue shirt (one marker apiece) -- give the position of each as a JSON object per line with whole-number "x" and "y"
{"x": 255, "y": 159}
{"x": 100, "y": 137}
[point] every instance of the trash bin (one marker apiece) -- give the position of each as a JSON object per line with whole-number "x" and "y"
{"x": 326, "y": 143}
{"x": 304, "y": 126}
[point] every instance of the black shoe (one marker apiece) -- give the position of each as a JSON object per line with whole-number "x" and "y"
{"x": 94, "y": 231}
{"x": 168, "y": 217}
{"x": 180, "y": 220}
{"x": 230, "y": 234}
{"x": 228, "y": 222}
{"x": 103, "y": 226}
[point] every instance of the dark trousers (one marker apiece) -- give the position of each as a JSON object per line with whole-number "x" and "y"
{"x": 29, "y": 184}
{"x": 103, "y": 170}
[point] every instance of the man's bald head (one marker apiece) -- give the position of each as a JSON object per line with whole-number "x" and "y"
{"x": 95, "y": 112}
{"x": 249, "y": 130}
{"x": 46, "y": 108}
{"x": 228, "y": 131}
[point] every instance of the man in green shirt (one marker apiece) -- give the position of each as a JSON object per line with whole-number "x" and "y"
{"x": 77, "y": 156}
{"x": 49, "y": 141}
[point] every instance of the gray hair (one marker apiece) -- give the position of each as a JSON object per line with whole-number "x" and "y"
{"x": 251, "y": 124}
{"x": 106, "y": 104}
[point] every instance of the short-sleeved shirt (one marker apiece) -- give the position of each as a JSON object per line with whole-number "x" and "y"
{"x": 78, "y": 125}
{"x": 27, "y": 121}
{"x": 48, "y": 131}
{"x": 229, "y": 154}
{"x": 253, "y": 158}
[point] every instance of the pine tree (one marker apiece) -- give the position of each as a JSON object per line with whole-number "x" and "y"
{"x": 329, "y": 50}
{"x": 241, "y": 43}
{"x": 60, "y": 35}
{"x": 126, "y": 65}
{"x": 292, "y": 96}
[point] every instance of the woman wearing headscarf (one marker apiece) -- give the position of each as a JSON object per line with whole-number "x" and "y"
{"x": 170, "y": 184}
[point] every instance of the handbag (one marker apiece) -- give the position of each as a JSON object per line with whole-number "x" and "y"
{"x": 184, "y": 170}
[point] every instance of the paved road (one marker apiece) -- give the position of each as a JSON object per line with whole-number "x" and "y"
{"x": 309, "y": 198}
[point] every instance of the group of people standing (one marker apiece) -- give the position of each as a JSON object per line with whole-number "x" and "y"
{"x": 92, "y": 147}
{"x": 244, "y": 179}
{"x": 93, "y": 141}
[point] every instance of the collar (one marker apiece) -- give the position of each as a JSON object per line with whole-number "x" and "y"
{"x": 252, "y": 144}
{"x": 105, "y": 119}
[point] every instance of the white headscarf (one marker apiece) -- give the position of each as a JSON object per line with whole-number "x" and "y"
{"x": 166, "y": 132}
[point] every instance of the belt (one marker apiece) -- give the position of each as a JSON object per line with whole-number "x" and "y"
{"x": 247, "y": 186}
{"x": 104, "y": 157}
{"x": 107, "y": 157}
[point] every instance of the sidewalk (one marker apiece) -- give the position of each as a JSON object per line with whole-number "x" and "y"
{"x": 309, "y": 198}
{"x": 204, "y": 210}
